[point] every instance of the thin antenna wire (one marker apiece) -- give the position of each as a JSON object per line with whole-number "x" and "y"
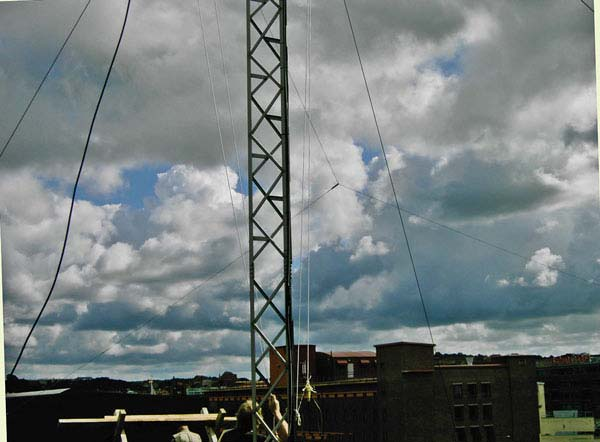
{"x": 589, "y": 280}
{"x": 212, "y": 88}
{"x": 309, "y": 188}
{"x": 233, "y": 132}
{"x": 185, "y": 296}
{"x": 177, "y": 301}
{"x": 387, "y": 165}
{"x": 302, "y": 186}
{"x": 410, "y": 255}
{"x": 314, "y": 129}
{"x": 586, "y": 5}
{"x": 87, "y": 143}
{"x": 39, "y": 87}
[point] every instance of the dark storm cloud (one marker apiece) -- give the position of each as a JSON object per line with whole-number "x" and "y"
{"x": 459, "y": 278}
{"x": 155, "y": 101}
{"x": 208, "y": 315}
{"x": 571, "y": 135}
{"x": 112, "y": 316}
{"x": 377, "y": 25}
{"x": 331, "y": 268}
{"x": 472, "y": 187}
{"x": 66, "y": 314}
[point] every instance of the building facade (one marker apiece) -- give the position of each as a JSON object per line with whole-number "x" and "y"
{"x": 409, "y": 398}
{"x": 420, "y": 401}
{"x": 574, "y": 386}
{"x": 564, "y": 425}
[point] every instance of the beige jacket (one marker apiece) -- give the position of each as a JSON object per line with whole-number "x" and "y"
{"x": 186, "y": 436}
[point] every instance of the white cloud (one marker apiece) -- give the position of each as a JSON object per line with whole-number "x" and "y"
{"x": 547, "y": 226}
{"x": 520, "y": 281}
{"x": 416, "y": 220}
{"x": 503, "y": 282}
{"x": 365, "y": 293}
{"x": 366, "y": 247}
{"x": 103, "y": 179}
{"x": 118, "y": 257}
{"x": 441, "y": 163}
{"x": 545, "y": 265}
{"x": 120, "y": 349}
{"x": 155, "y": 113}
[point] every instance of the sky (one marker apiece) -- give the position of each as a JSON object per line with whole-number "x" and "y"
{"x": 488, "y": 116}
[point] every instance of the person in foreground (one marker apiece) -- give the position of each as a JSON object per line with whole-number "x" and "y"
{"x": 243, "y": 430}
{"x": 185, "y": 435}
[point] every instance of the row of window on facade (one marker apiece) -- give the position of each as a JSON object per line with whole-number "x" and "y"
{"x": 472, "y": 390}
{"x": 350, "y": 372}
{"x": 472, "y": 410}
{"x": 477, "y": 434}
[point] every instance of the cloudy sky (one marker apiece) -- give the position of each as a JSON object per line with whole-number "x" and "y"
{"x": 487, "y": 110}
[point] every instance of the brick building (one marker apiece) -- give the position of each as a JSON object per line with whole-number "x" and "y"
{"x": 409, "y": 397}
{"x": 325, "y": 367}
{"x": 420, "y": 401}
{"x": 340, "y": 365}
{"x": 574, "y": 386}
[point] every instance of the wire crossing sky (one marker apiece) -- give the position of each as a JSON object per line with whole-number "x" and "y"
{"x": 489, "y": 128}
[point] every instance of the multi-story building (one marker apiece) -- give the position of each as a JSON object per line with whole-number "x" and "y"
{"x": 399, "y": 394}
{"x": 326, "y": 367}
{"x": 573, "y": 386}
{"x": 563, "y": 425}
{"x": 420, "y": 401}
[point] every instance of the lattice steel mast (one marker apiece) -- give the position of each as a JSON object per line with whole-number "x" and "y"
{"x": 270, "y": 245}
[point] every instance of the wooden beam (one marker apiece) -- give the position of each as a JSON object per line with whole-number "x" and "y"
{"x": 120, "y": 415}
{"x": 220, "y": 419}
{"x": 196, "y": 417}
{"x": 210, "y": 431}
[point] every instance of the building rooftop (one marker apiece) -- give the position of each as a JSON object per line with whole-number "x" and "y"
{"x": 394, "y": 344}
{"x": 353, "y": 354}
{"x": 37, "y": 393}
{"x": 471, "y": 366}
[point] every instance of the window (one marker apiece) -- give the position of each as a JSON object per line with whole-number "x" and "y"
{"x": 472, "y": 390}
{"x": 473, "y": 412}
{"x": 486, "y": 389}
{"x": 490, "y": 434}
{"x": 350, "y": 370}
{"x": 461, "y": 435}
{"x": 303, "y": 365}
{"x": 476, "y": 434}
{"x": 459, "y": 413}
{"x": 457, "y": 391}
{"x": 487, "y": 412}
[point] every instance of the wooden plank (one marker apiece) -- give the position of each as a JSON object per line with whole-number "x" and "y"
{"x": 220, "y": 419}
{"x": 196, "y": 417}
{"x": 210, "y": 431}
{"x": 120, "y": 416}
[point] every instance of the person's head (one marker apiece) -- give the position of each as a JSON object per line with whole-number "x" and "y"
{"x": 183, "y": 428}
{"x": 244, "y": 416}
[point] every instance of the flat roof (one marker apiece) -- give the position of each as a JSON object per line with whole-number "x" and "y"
{"x": 353, "y": 354}
{"x": 400, "y": 343}
{"x": 37, "y": 393}
{"x": 471, "y": 366}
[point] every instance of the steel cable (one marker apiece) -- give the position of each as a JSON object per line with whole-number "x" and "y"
{"x": 87, "y": 143}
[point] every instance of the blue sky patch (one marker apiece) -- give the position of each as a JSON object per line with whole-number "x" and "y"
{"x": 453, "y": 65}
{"x": 139, "y": 185}
{"x": 368, "y": 152}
